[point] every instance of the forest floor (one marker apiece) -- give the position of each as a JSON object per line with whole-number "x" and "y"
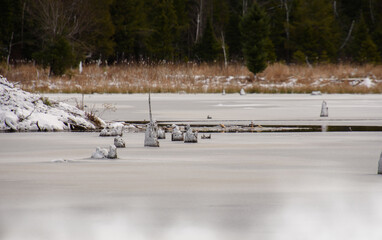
{"x": 199, "y": 78}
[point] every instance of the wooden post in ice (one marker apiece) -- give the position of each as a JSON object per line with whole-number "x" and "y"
{"x": 151, "y": 137}
{"x": 324, "y": 110}
{"x": 380, "y": 164}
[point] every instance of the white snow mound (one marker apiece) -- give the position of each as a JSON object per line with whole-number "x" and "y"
{"x": 24, "y": 111}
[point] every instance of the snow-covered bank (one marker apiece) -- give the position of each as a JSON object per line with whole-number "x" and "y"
{"x": 24, "y": 111}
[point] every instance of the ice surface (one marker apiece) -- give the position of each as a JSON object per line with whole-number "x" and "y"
{"x": 248, "y": 186}
{"x": 346, "y": 109}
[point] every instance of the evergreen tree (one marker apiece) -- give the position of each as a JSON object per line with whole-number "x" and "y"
{"x": 162, "y": 40}
{"x": 254, "y": 30}
{"x": 208, "y": 48}
{"x": 313, "y": 30}
{"x": 10, "y": 25}
{"x": 58, "y": 56}
{"x": 131, "y": 30}
{"x": 233, "y": 36}
{"x": 182, "y": 41}
{"x": 362, "y": 48}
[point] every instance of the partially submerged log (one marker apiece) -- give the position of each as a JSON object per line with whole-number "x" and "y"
{"x": 206, "y": 136}
{"x": 176, "y": 134}
{"x": 161, "y": 134}
{"x": 102, "y": 153}
{"x": 324, "y": 110}
{"x": 190, "y": 136}
{"x": 119, "y": 142}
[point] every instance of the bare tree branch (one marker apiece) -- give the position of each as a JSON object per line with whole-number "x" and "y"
{"x": 349, "y": 34}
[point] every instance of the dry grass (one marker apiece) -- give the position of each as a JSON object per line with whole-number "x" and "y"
{"x": 199, "y": 78}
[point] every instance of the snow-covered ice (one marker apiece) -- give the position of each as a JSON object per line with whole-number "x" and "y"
{"x": 235, "y": 186}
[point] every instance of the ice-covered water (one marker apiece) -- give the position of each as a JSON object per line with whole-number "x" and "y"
{"x": 234, "y": 186}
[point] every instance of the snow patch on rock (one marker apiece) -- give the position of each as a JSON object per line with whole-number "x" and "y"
{"x": 24, "y": 111}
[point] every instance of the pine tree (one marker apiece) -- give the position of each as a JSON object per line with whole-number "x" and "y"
{"x": 131, "y": 30}
{"x": 208, "y": 48}
{"x": 313, "y": 30}
{"x": 58, "y": 55}
{"x": 362, "y": 47}
{"x": 162, "y": 40}
{"x": 10, "y": 25}
{"x": 255, "y": 31}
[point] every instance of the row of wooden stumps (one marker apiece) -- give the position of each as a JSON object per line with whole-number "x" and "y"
{"x": 153, "y": 133}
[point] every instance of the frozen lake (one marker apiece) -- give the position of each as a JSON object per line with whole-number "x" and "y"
{"x": 235, "y": 186}
{"x": 263, "y": 109}
{"x": 318, "y": 185}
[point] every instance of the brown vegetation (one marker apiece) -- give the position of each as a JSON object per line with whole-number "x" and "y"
{"x": 199, "y": 78}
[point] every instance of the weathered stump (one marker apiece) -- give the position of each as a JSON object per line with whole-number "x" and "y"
{"x": 176, "y": 134}
{"x": 119, "y": 142}
{"x": 324, "y": 110}
{"x": 151, "y": 138}
{"x": 161, "y": 134}
{"x": 190, "y": 136}
{"x": 102, "y": 153}
{"x": 112, "y": 154}
{"x": 112, "y": 130}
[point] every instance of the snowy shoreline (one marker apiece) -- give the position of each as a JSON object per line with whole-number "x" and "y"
{"x": 24, "y": 111}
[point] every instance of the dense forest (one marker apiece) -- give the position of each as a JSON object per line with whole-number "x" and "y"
{"x": 60, "y": 33}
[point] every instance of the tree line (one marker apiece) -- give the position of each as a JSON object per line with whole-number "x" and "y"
{"x": 60, "y": 33}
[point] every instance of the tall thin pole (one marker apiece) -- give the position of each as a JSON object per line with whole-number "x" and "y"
{"x": 151, "y": 117}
